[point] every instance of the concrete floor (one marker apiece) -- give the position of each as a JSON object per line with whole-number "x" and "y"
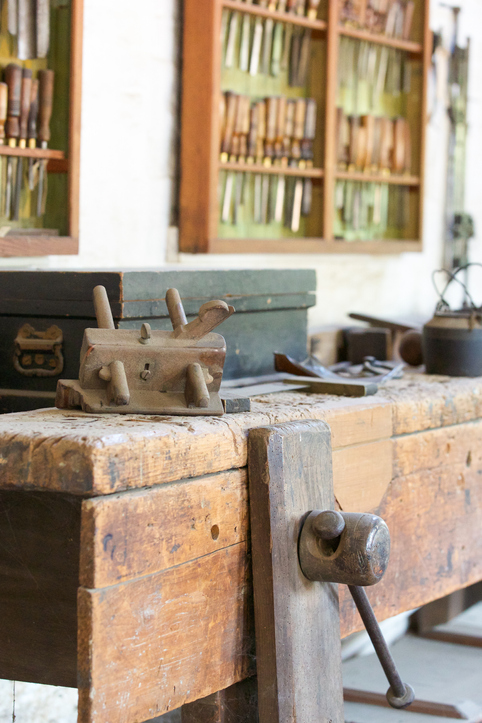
{"x": 48, "y": 704}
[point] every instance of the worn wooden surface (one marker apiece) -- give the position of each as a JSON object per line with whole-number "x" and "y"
{"x": 39, "y": 563}
{"x": 298, "y": 652}
{"x": 236, "y": 704}
{"x": 157, "y": 642}
{"x": 192, "y": 527}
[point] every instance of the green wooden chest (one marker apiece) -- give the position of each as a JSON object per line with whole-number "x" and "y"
{"x": 43, "y": 315}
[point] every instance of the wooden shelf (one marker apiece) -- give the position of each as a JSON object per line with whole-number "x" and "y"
{"x": 261, "y": 12}
{"x": 311, "y": 246}
{"x": 273, "y": 170}
{"x": 37, "y": 245}
{"x": 394, "y": 180}
{"x": 205, "y": 77}
{"x": 408, "y": 45}
{"x": 46, "y": 153}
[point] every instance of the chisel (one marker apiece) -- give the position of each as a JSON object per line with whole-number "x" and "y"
{"x": 12, "y": 17}
{"x": 307, "y": 153}
{"x": 267, "y": 40}
{"x": 245, "y": 34}
{"x": 257, "y": 41}
{"x": 278, "y": 42}
{"x": 46, "y": 94}
{"x": 26, "y": 40}
{"x": 296, "y": 46}
{"x": 260, "y": 139}
{"x": 299, "y": 131}
{"x": 280, "y": 160}
{"x": 242, "y": 154}
{"x": 233, "y": 151}
{"x": 286, "y": 154}
{"x": 3, "y": 118}
{"x": 285, "y": 58}
{"x": 271, "y": 117}
{"x": 32, "y": 131}
{"x": 13, "y": 77}
{"x": 24, "y": 113}
{"x": 306, "y": 44}
{"x": 43, "y": 28}
{"x": 231, "y": 44}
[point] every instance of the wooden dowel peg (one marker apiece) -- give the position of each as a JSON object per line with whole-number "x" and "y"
{"x": 102, "y": 308}
{"x": 175, "y": 309}
{"x": 118, "y": 389}
{"x": 196, "y": 393}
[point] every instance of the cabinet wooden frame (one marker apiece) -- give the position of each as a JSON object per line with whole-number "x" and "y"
{"x": 42, "y": 244}
{"x": 200, "y": 138}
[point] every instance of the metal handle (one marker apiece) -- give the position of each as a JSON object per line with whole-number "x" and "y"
{"x": 354, "y": 549}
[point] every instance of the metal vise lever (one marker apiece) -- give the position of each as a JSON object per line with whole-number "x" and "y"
{"x": 353, "y": 549}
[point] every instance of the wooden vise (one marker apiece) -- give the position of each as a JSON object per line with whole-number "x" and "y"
{"x": 126, "y": 371}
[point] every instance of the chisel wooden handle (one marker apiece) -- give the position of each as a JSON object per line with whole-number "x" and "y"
{"x": 231, "y": 102}
{"x": 3, "y": 110}
{"x": 25, "y": 96}
{"x": 46, "y": 94}
{"x": 272, "y": 112}
{"x": 32, "y": 116}
{"x": 13, "y": 78}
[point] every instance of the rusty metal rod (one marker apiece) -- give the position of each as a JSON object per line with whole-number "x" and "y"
{"x": 398, "y": 687}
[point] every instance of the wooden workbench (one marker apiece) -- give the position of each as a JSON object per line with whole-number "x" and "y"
{"x": 133, "y": 531}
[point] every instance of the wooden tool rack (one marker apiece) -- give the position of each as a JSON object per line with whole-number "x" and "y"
{"x": 125, "y": 564}
{"x": 59, "y": 228}
{"x": 202, "y": 171}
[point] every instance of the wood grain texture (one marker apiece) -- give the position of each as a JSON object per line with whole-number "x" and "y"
{"x": 75, "y": 114}
{"x": 17, "y": 246}
{"x": 152, "y": 644}
{"x": 434, "y": 517}
{"x": 426, "y": 401}
{"x": 296, "y": 621}
{"x": 92, "y": 455}
{"x": 361, "y": 475}
{"x": 138, "y": 533}
{"x": 236, "y": 704}
{"x": 39, "y": 564}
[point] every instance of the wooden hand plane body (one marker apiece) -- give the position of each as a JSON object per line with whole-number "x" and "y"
{"x": 130, "y": 371}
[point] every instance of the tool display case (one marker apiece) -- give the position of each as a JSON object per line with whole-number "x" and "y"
{"x": 389, "y": 186}
{"x": 55, "y": 231}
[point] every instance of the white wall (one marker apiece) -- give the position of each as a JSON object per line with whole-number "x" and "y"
{"x": 129, "y": 122}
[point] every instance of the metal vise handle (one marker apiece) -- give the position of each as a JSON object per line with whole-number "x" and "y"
{"x": 354, "y": 549}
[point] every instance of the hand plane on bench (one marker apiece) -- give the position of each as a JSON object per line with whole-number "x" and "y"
{"x": 126, "y": 371}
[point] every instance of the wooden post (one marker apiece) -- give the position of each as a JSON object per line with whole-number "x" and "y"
{"x": 297, "y": 622}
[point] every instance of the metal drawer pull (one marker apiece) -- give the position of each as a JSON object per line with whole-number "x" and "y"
{"x": 353, "y": 549}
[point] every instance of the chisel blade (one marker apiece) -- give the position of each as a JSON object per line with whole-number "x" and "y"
{"x": 256, "y": 47}
{"x": 228, "y": 193}
{"x": 244, "y": 49}
{"x": 280, "y": 199}
{"x": 298, "y": 196}
{"x": 267, "y": 41}
{"x": 26, "y": 29}
{"x": 231, "y": 44}
{"x": 12, "y": 17}
{"x": 43, "y": 27}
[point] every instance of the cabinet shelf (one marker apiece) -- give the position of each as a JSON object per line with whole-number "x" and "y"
{"x": 273, "y": 170}
{"x": 261, "y": 12}
{"x": 205, "y": 195}
{"x": 311, "y": 246}
{"x": 393, "y": 179}
{"x": 46, "y": 153}
{"x": 408, "y": 45}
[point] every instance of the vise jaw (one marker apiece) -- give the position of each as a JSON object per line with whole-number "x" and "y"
{"x": 126, "y": 371}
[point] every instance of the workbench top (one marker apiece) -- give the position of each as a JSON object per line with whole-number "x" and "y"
{"x": 143, "y": 561}
{"x": 88, "y": 455}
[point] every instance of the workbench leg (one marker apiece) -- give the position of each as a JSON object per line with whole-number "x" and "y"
{"x": 297, "y": 622}
{"x": 237, "y": 703}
